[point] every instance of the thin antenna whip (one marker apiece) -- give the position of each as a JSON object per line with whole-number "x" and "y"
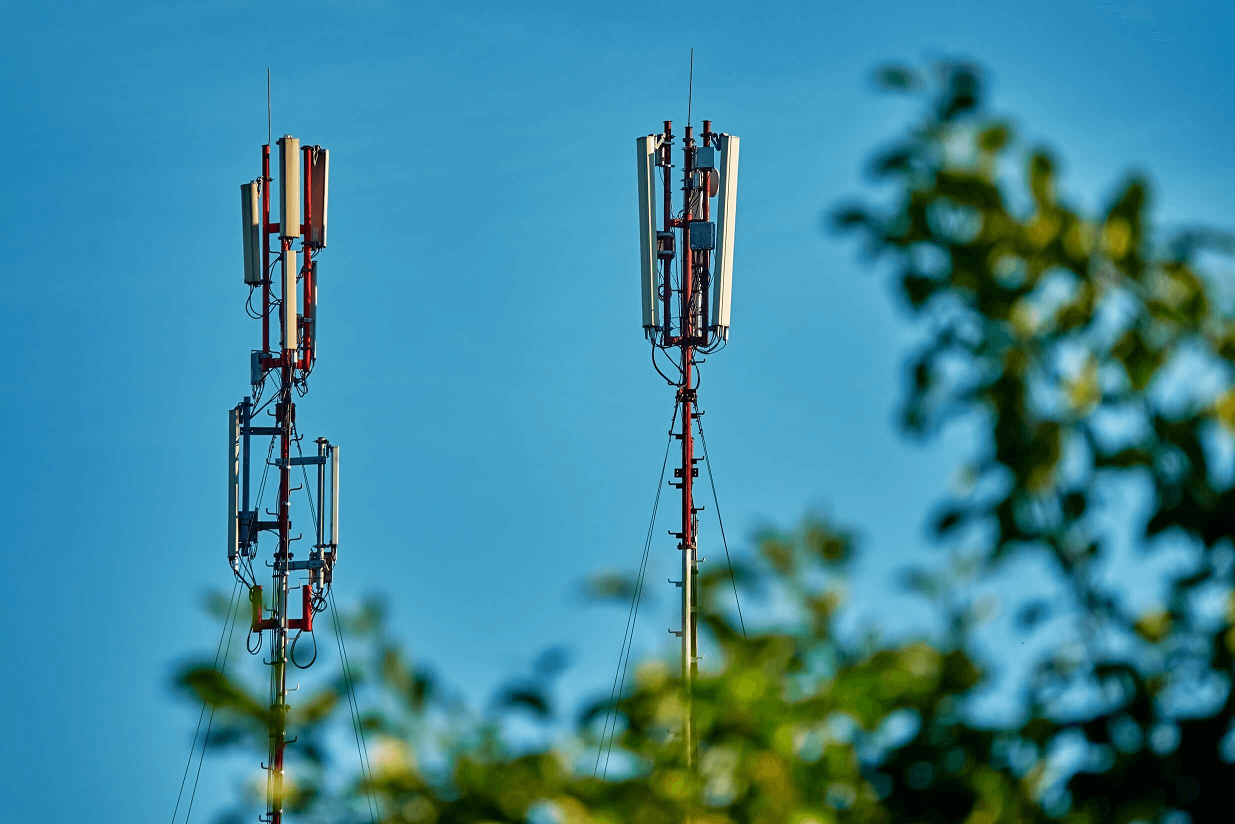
{"x": 267, "y": 105}
{"x": 690, "y": 86}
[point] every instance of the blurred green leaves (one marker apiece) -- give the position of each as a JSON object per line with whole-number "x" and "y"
{"x": 1074, "y": 347}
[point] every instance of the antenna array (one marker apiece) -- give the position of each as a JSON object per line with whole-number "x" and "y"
{"x": 291, "y": 297}
{"x": 687, "y": 310}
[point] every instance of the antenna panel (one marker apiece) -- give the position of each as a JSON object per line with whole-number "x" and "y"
{"x": 726, "y": 217}
{"x": 233, "y": 488}
{"x": 289, "y": 185}
{"x": 310, "y": 311}
{"x": 334, "y": 499}
{"x": 702, "y": 235}
{"x": 250, "y": 227}
{"x": 319, "y": 189}
{"x": 291, "y": 333}
{"x": 645, "y": 152}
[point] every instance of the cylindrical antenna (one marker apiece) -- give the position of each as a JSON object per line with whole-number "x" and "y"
{"x": 251, "y": 229}
{"x": 291, "y": 335}
{"x": 267, "y": 105}
{"x": 334, "y": 502}
{"x": 646, "y": 151}
{"x": 289, "y": 186}
{"x": 233, "y": 488}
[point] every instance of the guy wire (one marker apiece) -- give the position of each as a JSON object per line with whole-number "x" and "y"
{"x": 362, "y": 749}
{"x": 210, "y": 722}
{"x": 732, "y": 578}
{"x": 231, "y": 608}
{"x": 619, "y": 676}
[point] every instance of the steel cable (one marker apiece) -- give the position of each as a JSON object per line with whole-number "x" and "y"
{"x": 210, "y": 722}
{"x": 362, "y": 749}
{"x": 632, "y": 616}
{"x": 228, "y": 618}
{"x": 724, "y": 541}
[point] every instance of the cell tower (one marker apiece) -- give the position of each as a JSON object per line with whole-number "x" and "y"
{"x": 687, "y": 310}
{"x": 303, "y": 193}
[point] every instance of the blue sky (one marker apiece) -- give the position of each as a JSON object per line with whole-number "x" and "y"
{"x": 481, "y": 360}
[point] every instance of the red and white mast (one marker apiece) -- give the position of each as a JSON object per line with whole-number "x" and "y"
{"x": 303, "y": 188}
{"x": 687, "y": 311}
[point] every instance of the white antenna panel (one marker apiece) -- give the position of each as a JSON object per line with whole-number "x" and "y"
{"x": 319, "y": 190}
{"x": 250, "y": 226}
{"x": 645, "y": 151}
{"x": 291, "y": 333}
{"x": 334, "y": 499}
{"x": 726, "y": 217}
{"x": 233, "y": 488}
{"x": 310, "y": 311}
{"x": 289, "y": 185}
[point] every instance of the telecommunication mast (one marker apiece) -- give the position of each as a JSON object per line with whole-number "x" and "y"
{"x": 686, "y": 277}
{"x": 282, "y": 284}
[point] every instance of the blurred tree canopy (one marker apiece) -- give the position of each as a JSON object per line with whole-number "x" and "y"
{"x": 1090, "y": 357}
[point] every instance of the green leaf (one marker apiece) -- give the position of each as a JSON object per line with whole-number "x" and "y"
{"x": 917, "y": 288}
{"x": 850, "y": 217}
{"x": 1141, "y": 361}
{"x": 895, "y": 161}
{"x": 779, "y": 553}
{"x": 611, "y": 586}
{"x": 829, "y": 545}
{"x": 928, "y": 584}
{"x": 995, "y": 138}
{"x": 1032, "y": 613}
{"x": 961, "y": 94}
{"x": 526, "y": 698}
{"x": 1042, "y": 179}
{"x": 897, "y": 78}
{"x": 948, "y": 519}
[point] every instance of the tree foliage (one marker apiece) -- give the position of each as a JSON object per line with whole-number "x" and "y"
{"x": 1089, "y": 357}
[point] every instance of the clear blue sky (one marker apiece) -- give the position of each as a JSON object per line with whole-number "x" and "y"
{"x": 481, "y": 357}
